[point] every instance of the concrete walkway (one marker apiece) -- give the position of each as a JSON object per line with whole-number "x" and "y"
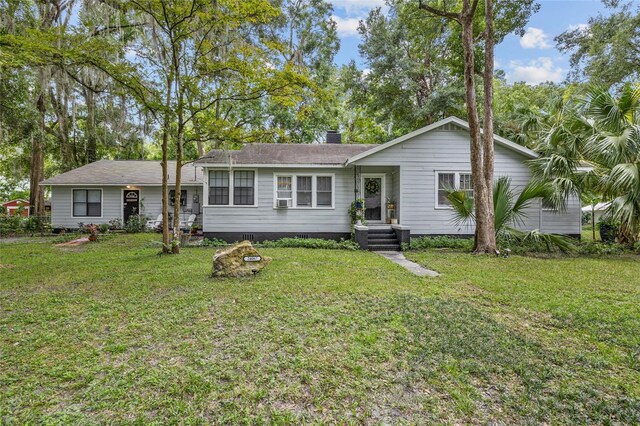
{"x": 398, "y": 257}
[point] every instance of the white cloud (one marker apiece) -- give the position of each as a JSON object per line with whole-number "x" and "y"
{"x": 535, "y": 38}
{"x": 346, "y": 26}
{"x": 356, "y": 7}
{"x": 580, "y": 27}
{"x": 536, "y": 71}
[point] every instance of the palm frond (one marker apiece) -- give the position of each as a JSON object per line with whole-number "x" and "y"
{"x": 462, "y": 206}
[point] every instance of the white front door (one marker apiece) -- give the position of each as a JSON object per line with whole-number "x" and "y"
{"x": 373, "y": 191}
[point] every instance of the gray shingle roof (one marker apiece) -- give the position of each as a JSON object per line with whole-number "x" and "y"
{"x": 280, "y": 154}
{"x": 125, "y": 172}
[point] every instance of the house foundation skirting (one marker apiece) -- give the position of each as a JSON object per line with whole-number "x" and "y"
{"x": 231, "y": 237}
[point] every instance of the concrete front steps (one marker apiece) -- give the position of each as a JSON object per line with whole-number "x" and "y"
{"x": 383, "y": 239}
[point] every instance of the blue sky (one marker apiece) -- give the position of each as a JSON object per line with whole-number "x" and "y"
{"x": 532, "y": 58}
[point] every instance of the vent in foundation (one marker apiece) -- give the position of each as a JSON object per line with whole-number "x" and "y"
{"x": 247, "y": 237}
{"x": 303, "y": 236}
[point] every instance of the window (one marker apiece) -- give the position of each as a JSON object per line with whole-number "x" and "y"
{"x": 243, "y": 188}
{"x": 235, "y": 188}
{"x": 183, "y": 197}
{"x": 304, "y": 191}
{"x": 465, "y": 183}
{"x": 218, "y": 188}
{"x": 284, "y": 187}
{"x": 324, "y": 191}
{"x": 447, "y": 181}
{"x": 87, "y": 202}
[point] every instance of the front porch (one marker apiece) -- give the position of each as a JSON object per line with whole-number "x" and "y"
{"x": 379, "y": 188}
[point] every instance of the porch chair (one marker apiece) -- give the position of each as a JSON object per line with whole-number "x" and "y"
{"x": 186, "y": 226}
{"x": 153, "y": 224}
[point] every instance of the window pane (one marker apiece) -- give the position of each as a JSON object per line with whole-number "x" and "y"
{"x": 79, "y": 209}
{"x": 304, "y": 191}
{"x": 94, "y": 196}
{"x": 324, "y": 199}
{"x": 324, "y": 183}
{"x": 446, "y": 180}
{"x": 218, "y": 178}
{"x": 465, "y": 181}
{"x": 93, "y": 209}
{"x": 324, "y": 191}
{"x": 243, "y": 179}
{"x": 79, "y": 195}
{"x": 219, "y": 196}
{"x": 442, "y": 198}
{"x": 243, "y": 196}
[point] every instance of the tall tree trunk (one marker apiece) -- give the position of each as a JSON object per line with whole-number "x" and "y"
{"x": 179, "y": 145}
{"x": 488, "y": 155}
{"x": 36, "y": 171}
{"x": 92, "y": 145}
{"x": 483, "y": 232}
{"x": 166, "y": 128}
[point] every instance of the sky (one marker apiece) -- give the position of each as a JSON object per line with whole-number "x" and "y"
{"x": 532, "y": 58}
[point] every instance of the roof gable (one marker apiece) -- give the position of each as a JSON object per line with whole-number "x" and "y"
{"x": 447, "y": 121}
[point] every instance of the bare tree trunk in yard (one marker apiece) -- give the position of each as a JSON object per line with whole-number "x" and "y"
{"x": 483, "y": 198}
{"x": 488, "y": 150}
{"x": 165, "y": 172}
{"x": 36, "y": 170}
{"x": 484, "y": 232}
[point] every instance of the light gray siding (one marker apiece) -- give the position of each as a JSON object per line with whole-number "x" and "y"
{"x": 150, "y": 197}
{"x": 265, "y": 218}
{"x": 421, "y": 157}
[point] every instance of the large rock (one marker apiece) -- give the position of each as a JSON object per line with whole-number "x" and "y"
{"x": 239, "y": 260}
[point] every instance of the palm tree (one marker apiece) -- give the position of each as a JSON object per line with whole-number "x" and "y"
{"x": 594, "y": 145}
{"x": 510, "y": 211}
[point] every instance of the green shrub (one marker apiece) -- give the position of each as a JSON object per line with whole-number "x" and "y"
{"x": 136, "y": 224}
{"x": 441, "y": 242}
{"x": 10, "y": 225}
{"x": 104, "y": 228}
{"x": 214, "y": 242}
{"x": 312, "y": 243}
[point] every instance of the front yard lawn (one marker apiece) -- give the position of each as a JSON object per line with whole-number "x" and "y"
{"x": 110, "y": 332}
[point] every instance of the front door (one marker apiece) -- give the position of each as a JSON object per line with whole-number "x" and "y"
{"x": 131, "y": 203}
{"x": 373, "y": 197}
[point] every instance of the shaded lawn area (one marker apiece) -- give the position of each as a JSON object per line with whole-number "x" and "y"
{"x": 110, "y": 332}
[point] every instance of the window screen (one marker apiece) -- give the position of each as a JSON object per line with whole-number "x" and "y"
{"x": 446, "y": 182}
{"x": 324, "y": 191}
{"x": 243, "y": 183}
{"x": 219, "y": 188}
{"x": 283, "y": 188}
{"x": 303, "y": 191}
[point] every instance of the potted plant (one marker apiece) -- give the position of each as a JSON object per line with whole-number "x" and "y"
{"x": 608, "y": 229}
{"x": 196, "y": 229}
{"x": 93, "y": 231}
{"x": 391, "y": 204}
{"x": 356, "y": 212}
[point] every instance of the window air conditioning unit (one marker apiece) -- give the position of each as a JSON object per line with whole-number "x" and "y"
{"x": 282, "y": 203}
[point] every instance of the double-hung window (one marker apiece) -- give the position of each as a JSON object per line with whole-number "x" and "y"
{"x": 304, "y": 191}
{"x": 452, "y": 181}
{"x": 87, "y": 203}
{"x": 235, "y": 188}
{"x": 243, "y": 191}
{"x": 324, "y": 191}
{"x": 218, "y": 188}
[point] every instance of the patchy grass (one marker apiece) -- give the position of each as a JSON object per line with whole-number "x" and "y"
{"x": 110, "y": 333}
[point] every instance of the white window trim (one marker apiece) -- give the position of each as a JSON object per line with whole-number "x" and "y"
{"x": 231, "y": 186}
{"x": 314, "y": 193}
{"x": 456, "y": 181}
{"x": 101, "y": 203}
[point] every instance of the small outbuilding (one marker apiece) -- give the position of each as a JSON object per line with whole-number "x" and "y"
{"x": 16, "y": 207}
